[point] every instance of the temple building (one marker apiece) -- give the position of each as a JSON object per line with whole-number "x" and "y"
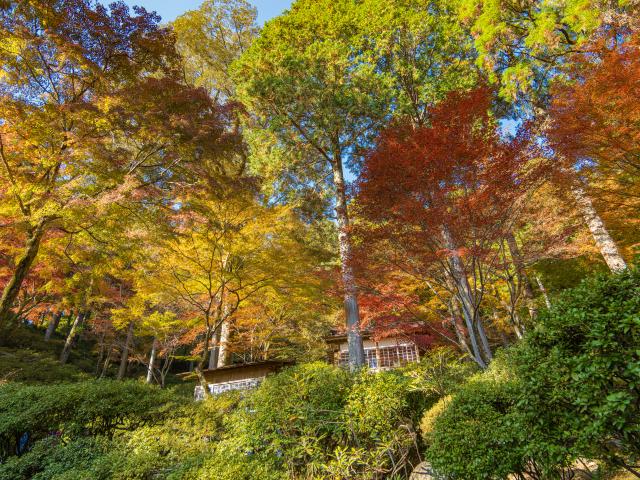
{"x": 380, "y": 353}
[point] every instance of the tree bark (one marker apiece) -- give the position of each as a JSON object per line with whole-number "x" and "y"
{"x": 20, "y": 272}
{"x": 124, "y": 357}
{"x": 352, "y": 314}
{"x": 488, "y": 354}
{"x": 100, "y": 353}
{"x": 66, "y": 350}
{"x": 152, "y": 360}
{"x": 603, "y": 240}
{"x": 53, "y": 324}
{"x": 107, "y": 362}
{"x": 547, "y": 302}
{"x": 223, "y": 347}
{"x": 464, "y": 295}
{"x": 214, "y": 353}
{"x": 166, "y": 365}
{"x": 199, "y": 367}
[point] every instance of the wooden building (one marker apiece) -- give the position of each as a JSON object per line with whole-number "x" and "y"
{"x": 238, "y": 377}
{"x": 380, "y": 354}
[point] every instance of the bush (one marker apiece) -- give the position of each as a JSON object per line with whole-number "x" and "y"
{"x": 97, "y": 408}
{"x": 580, "y": 369}
{"x": 293, "y": 420}
{"x": 480, "y": 434}
{"x": 184, "y": 441}
{"x": 440, "y": 372}
{"x": 570, "y": 390}
{"x": 380, "y": 418}
{"x": 50, "y": 459}
{"x": 34, "y": 367}
{"x": 318, "y": 421}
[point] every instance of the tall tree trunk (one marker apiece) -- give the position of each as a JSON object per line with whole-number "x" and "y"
{"x": 53, "y": 324}
{"x": 215, "y": 348}
{"x": 223, "y": 345}
{"x": 456, "y": 314}
{"x": 462, "y": 291}
{"x": 100, "y": 353}
{"x": 459, "y": 331}
{"x": 124, "y": 357}
{"x": 603, "y": 240}
{"x": 199, "y": 367}
{"x": 545, "y": 295}
{"x": 152, "y": 360}
{"x": 486, "y": 348}
{"x": 66, "y": 350}
{"x": 352, "y": 314}
{"x": 20, "y": 272}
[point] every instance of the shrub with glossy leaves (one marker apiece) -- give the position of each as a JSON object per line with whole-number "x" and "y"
{"x": 580, "y": 369}
{"x": 480, "y": 432}
{"x": 570, "y": 390}
{"x": 380, "y": 417}
{"x": 318, "y": 421}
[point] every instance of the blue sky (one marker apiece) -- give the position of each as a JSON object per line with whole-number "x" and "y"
{"x": 170, "y": 9}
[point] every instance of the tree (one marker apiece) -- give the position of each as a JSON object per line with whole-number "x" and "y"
{"x": 289, "y": 317}
{"x": 220, "y": 251}
{"x": 92, "y": 111}
{"x": 444, "y": 195}
{"x": 210, "y": 39}
{"x": 307, "y": 89}
{"x": 523, "y": 45}
{"x": 326, "y": 90}
{"x": 596, "y": 128}
{"x": 568, "y": 391}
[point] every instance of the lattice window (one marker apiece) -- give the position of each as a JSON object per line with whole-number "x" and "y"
{"x": 407, "y": 354}
{"x": 370, "y": 357}
{"x": 343, "y": 361}
{"x": 394, "y": 356}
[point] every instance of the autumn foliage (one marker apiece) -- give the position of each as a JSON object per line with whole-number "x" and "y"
{"x": 596, "y": 119}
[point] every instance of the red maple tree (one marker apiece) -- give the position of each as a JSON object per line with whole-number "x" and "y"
{"x": 435, "y": 201}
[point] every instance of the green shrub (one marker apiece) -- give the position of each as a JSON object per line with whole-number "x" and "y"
{"x": 184, "y": 441}
{"x": 580, "y": 369}
{"x": 77, "y": 409}
{"x": 380, "y": 418}
{"x": 51, "y": 459}
{"x": 35, "y": 367}
{"x": 317, "y": 421}
{"x": 376, "y": 405}
{"x": 233, "y": 466}
{"x": 293, "y": 420}
{"x": 440, "y": 372}
{"x": 480, "y": 433}
{"x": 570, "y": 390}
{"x": 178, "y": 444}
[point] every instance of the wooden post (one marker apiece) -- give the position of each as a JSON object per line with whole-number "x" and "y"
{"x": 378, "y": 357}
